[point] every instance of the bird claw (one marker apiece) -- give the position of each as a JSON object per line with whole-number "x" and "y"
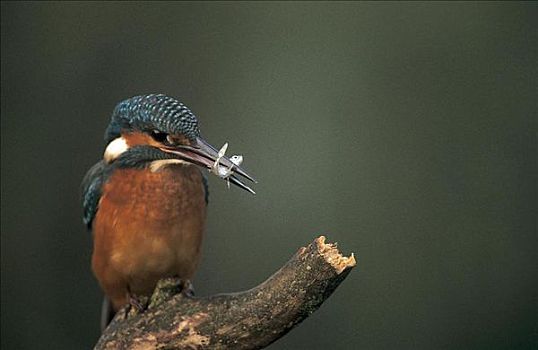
{"x": 136, "y": 305}
{"x": 187, "y": 289}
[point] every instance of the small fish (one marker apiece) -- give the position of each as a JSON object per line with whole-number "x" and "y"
{"x": 237, "y": 159}
{"x": 222, "y": 171}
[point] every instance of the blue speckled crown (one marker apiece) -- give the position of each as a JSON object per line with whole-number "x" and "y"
{"x": 150, "y": 112}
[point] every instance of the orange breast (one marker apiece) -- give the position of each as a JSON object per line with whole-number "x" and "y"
{"x": 149, "y": 225}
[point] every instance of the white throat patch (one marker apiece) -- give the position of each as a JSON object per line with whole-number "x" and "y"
{"x": 157, "y": 165}
{"x": 115, "y": 149}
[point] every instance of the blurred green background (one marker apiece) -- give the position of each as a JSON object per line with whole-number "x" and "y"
{"x": 404, "y": 131}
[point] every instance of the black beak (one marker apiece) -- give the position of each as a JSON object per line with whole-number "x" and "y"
{"x": 203, "y": 154}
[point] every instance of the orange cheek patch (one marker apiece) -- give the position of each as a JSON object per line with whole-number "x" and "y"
{"x": 139, "y": 139}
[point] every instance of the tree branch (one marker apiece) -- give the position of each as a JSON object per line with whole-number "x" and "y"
{"x": 251, "y": 319}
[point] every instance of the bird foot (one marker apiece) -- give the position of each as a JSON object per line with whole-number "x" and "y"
{"x": 169, "y": 287}
{"x": 136, "y": 305}
{"x": 187, "y": 289}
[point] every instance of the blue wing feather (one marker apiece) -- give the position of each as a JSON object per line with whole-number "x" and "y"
{"x": 91, "y": 191}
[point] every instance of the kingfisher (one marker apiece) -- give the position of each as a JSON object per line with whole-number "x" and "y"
{"x": 145, "y": 201}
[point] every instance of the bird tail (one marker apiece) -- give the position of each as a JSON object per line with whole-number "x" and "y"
{"x": 107, "y": 313}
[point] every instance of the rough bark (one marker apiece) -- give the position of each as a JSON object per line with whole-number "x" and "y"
{"x": 251, "y": 319}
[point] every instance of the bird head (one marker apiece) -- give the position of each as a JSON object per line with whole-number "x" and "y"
{"x": 148, "y": 129}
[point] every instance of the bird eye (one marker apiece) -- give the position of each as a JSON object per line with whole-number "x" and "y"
{"x": 159, "y": 136}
